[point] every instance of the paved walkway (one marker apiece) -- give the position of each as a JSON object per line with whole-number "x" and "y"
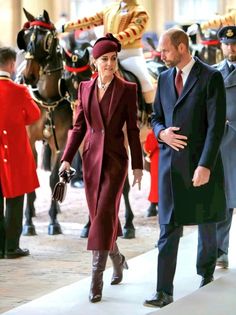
{"x": 218, "y": 298}
{"x": 60, "y": 260}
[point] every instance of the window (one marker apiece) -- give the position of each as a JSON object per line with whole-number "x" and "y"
{"x": 82, "y": 8}
{"x": 194, "y": 10}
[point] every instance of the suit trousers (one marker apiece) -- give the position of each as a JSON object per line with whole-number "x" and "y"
{"x": 10, "y": 222}
{"x": 223, "y": 229}
{"x": 168, "y": 249}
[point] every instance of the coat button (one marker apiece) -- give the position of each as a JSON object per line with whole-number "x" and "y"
{"x": 5, "y": 146}
{"x": 102, "y": 131}
{"x": 4, "y": 132}
{"x": 5, "y": 160}
{"x": 227, "y": 122}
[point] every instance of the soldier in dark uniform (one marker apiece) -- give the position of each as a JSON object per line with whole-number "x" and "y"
{"x": 227, "y": 37}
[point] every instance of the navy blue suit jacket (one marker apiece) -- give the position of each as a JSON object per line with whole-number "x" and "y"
{"x": 200, "y": 113}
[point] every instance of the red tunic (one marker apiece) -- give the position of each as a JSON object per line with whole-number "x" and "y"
{"x": 151, "y": 147}
{"x": 17, "y": 165}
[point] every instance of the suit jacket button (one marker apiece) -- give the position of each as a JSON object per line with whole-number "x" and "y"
{"x": 5, "y": 160}
{"x": 4, "y": 132}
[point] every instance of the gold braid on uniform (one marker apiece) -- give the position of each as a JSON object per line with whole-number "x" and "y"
{"x": 222, "y": 20}
{"x": 86, "y": 23}
{"x": 135, "y": 29}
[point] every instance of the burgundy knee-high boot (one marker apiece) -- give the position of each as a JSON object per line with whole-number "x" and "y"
{"x": 98, "y": 266}
{"x": 119, "y": 264}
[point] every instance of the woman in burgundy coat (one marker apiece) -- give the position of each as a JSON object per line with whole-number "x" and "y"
{"x": 105, "y": 105}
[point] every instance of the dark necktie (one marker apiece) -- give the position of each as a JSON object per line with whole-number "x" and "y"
{"x": 179, "y": 82}
{"x": 231, "y": 68}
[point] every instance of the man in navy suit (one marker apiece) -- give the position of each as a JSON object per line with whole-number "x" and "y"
{"x": 188, "y": 121}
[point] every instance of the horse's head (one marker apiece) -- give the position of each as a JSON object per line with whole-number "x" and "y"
{"x": 76, "y": 59}
{"x": 207, "y": 46}
{"x": 38, "y": 39}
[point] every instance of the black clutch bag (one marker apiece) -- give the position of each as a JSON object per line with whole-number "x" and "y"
{"x": 59, "y": 191}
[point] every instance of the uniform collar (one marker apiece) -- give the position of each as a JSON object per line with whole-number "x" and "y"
{"x": 124, "y": 5}
{"x": 5, "y": 74}
{"x": 231, "y": 63}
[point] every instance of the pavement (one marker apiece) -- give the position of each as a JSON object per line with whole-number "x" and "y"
{"x": 139, "y": 282}
{"x": 60, "y": 260}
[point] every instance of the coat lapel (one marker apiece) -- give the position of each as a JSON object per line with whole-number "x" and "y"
{"x": 224, "y": 69}
{"x": 87, "y": 99}
{"x": 115, "y": 97}
{"x": 229, "y": 77}
{"x": 170, "y": 86}
{"x": 191, "y": 80}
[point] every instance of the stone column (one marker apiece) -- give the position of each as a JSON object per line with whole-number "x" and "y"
{"x": 9, "y": 22}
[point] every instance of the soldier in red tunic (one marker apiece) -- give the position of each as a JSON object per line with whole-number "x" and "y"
{"x": 17, "y": 165}
{"x": 151, "y": 147}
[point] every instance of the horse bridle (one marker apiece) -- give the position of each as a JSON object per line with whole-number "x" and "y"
{"x": 48, "y": 45}
{"x": 50, "y": 41}
{"x": 74, "y": 70}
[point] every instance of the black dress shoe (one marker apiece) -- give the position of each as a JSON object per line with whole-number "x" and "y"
{"x": 17, "y": 253}
{"x": 160, "y": 299}
{"x": 206, "y": 280}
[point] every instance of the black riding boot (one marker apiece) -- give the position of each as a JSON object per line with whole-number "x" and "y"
{"x": 152, "y": 210}
{"x": 119, "y": 264}
{"x": 85, "y": 231}
{"x": 99, "y": 265}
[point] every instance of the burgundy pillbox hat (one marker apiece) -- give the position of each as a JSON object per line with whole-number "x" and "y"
{"x": 105, "y": 45}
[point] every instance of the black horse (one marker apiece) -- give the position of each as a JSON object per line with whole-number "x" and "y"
{"x": 43, "y": 73}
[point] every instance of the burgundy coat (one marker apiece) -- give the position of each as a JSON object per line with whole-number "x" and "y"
{"x": 105, "y": 159}
{"x": 17, "y": 165}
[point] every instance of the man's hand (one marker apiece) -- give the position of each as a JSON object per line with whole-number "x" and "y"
{"x": 201, "y": 176}
{"x": 174, "y": 140}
